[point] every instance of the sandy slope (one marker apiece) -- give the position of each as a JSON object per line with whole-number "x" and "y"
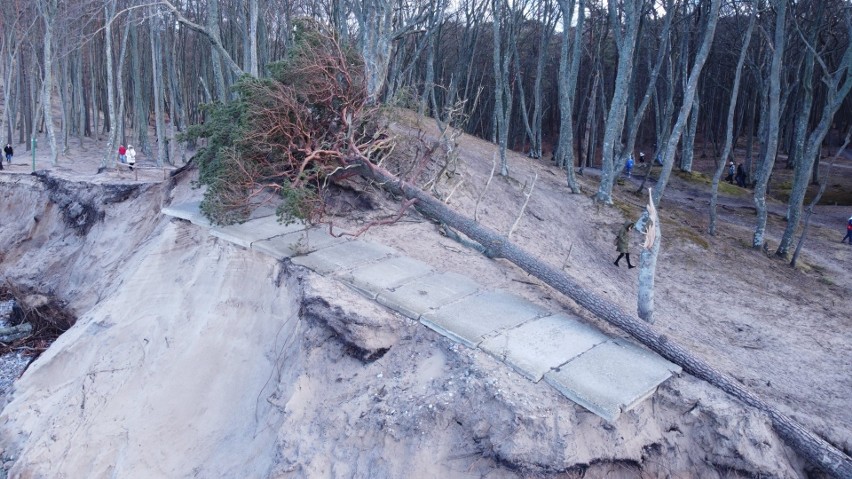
{"x": 194, "y": 357}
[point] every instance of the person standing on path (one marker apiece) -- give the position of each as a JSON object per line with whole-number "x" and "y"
{"x": 628, "y": 167}
{"x": 848, "y": 232}
{"x": 131, "y": 156}
{"x": 9, "y": 152}
{"x": 622, "y": 243}
{"x": 122, "y": 154}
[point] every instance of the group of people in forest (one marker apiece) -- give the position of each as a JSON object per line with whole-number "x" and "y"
{"x": 628, "y": 165}
{"x": 127, "y": 155}
{"x": 736, "y": 174}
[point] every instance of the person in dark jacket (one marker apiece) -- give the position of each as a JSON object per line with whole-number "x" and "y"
{"x": 741, "y": 176}
{"x": 9, "y": 152}
{"x": 848, "y": 232}
{"x": 622, "y": 243}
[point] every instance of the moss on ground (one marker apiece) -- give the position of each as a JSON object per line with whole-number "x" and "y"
{"x": 693, "y": 236}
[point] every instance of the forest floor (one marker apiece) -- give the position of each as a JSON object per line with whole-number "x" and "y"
{"x": 782, "y": 332}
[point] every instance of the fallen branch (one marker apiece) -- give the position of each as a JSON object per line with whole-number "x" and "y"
{"x": 490, "y": 177}
{"x": 523, "y": 208}
{"x": 813, "y": 448}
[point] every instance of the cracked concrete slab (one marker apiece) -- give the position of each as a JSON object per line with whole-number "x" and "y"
{"x": 344, "y": 256}
{"x": 471, "y": 319}
{"x": 296, "y": 244}
{"x": 427, "y": 292}
{"x": 385, "y": 275}
{"x": 540, "y": 345}
{"x": 244, "y": 234}
{"x": 190, "y": 211}
{"x": 611, "y": 378}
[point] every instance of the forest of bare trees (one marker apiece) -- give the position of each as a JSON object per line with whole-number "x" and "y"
{"x": 589, "y": 81}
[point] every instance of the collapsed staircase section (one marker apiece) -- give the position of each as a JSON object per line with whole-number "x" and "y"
{"x": 605, "y": 375}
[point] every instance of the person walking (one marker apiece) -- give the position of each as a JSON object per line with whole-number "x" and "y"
{"x": 131, "y": 156}
{"x": 848, "y": 232}
{"x": 622, "y": 243}
{"x": 741, "y": 176}
{"x": 730, "y": 177}
{"x": 9, "y": 152}
{"x": 122, "y": 154}
{"x": 628, "y": 167}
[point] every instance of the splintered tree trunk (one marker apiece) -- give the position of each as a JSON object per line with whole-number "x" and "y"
{"x": 810, "y": 446}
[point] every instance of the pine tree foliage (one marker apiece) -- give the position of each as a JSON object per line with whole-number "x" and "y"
{"x": 287, "y": 136}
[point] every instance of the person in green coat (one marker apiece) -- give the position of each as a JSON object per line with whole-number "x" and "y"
{"x": 622, "y": 243}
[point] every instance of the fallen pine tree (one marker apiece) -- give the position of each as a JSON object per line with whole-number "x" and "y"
{"x": 310, "y": 125}
{"x": 813, "y": 448}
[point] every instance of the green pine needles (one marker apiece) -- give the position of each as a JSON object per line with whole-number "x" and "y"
{"x": 288, "y": 136}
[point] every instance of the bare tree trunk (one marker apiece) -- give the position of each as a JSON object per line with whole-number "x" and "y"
{"x": 835, "y": 97}
{"x": 48, "y": 12}
{"x": 568, "y": 86}
{"x": 502, "y": 57}
{"x": 119, "y": 125}
{"x": 618, "y": 107}
{"x": 767, "y": 162}
{"x": 79, "y": 96}
{"x": 688, "y": 98}
{"x": 157, "y": 86}
{"x": 550, "y": 17}
{"x": 222, "y": 94}
{"x": 110, "y": 152}
{"x": 729, "y": 128}
{"x": 688, "y": 145}
{"x": 639, "y": 115}
{"x": 10, "y": 56}
{"x": 815, "y": 201}
{"x": 253, "y": 20}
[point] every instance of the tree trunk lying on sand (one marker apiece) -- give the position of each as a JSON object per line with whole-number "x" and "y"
{"x": 815, "y": 449}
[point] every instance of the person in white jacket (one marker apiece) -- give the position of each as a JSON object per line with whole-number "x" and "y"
{"x": 131, "y": 156}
